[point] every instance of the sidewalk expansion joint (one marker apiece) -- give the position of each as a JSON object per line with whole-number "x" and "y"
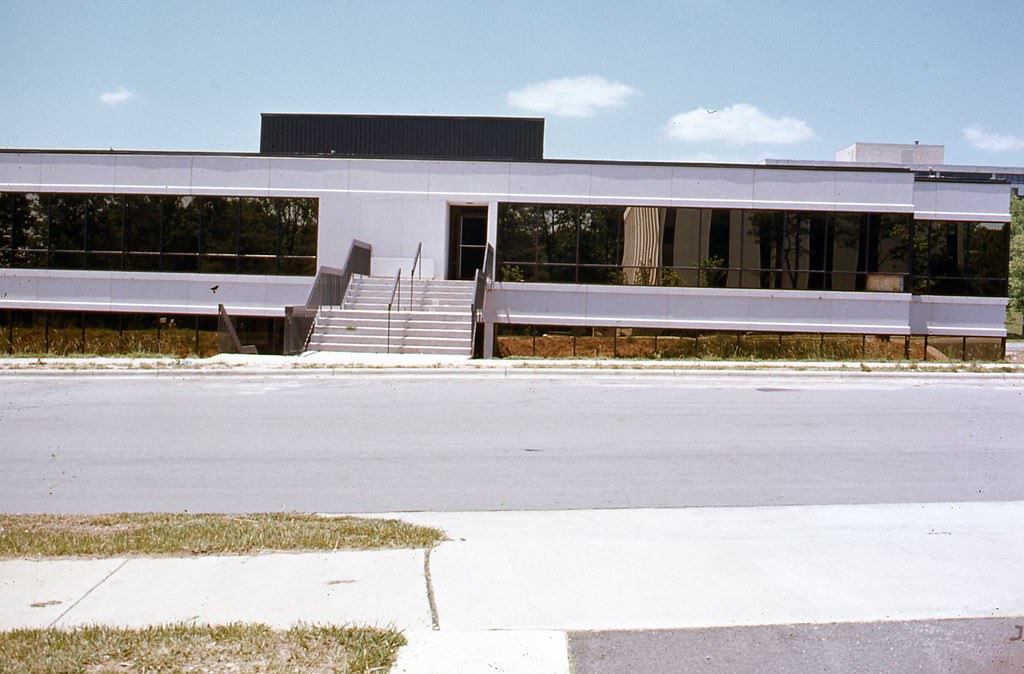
{"x": 87, "y": 593}
{"x": 435, "y": 622}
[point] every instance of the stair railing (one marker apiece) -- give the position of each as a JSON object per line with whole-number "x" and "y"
{"x": 227, "y": 336}
{"x": 331, "y": 284}
{"x": 397, "y": 288}
{"x": 416, "y": 263}
{"x": 482, "y": 278}
{"x": 328, "y": 289}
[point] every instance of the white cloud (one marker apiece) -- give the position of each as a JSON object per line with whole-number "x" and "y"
{"x": 119, "y": 95}
{"x": 977, "y": 136}
{"x": 571, "y": 96}
{"x": 739, "y": 124}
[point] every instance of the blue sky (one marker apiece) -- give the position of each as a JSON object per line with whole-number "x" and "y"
{"x": 709, "y": 80}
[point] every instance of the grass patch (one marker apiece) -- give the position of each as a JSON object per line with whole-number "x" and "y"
{"x": 237, "y": 648}
{"x": 121, "y": 534}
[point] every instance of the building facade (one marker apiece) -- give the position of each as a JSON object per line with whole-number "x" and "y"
{"x": 135, "y": 247}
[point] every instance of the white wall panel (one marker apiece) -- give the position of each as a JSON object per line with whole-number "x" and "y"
{"x": 299, "y": 176}
{"x": 424, "y": 221}
{"x": 469, "y": 182}
{"x": 963, "y": 201}
{"x": 550, "y": 183}
{"x": 390, "y": 177}
{"x": 713, "y": 187}
{"x": 631, "y": 185}
{"x": 150, "y": 292}
{"x": 628, "y": 306}
{"x": 20, "y": 171}
{"x": 698, "y": 308}
{"x": 338, "y": 225}
{"x": 960, "y": 316}
{"x": 244, "y": 176}
{"x": 153, "y": 174}
{"x": 874, "y": 191}
{"x": 381, "y": 224}
{"x": 805, "y": 190}
{"x": 79, "y": 172}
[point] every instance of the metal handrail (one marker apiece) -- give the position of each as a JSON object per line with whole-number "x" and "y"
{"x": 329, "y": 288}
{"x": 227, "y": 336}
{"x": 481, "y": 279}
{"x": 331, "y": 283}
{"x": 397, "y": 288}
{"x": 488, "y": 261}
{"x": 412, "y": 272}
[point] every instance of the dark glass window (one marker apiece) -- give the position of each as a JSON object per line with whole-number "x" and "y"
{"x": 518, "y": 235}
{"x": 30, "y": 231}
{"x": 767, "y": 230}
{"x": 820, "y": 255}
{"x": 8, "y": 205}
{"x": 181, "y": 235}
{"x": 259, "y": 243}
{"x": 181, "y": 225}
{"x": 803, "y": 250}
{"x": 559, "y": 244}
{"x": 986, "y": 249}
{"x": 891, "y": 243}
{"x": 143, "y": 225}
{"x": 601, "y": 236}
{"x": 68, "y": 217}
{"x": 961, "y": 258}
{"x": 248, "y": 235}
{"x": 220, "y": 220}
{"x": 106, "y": 229}
{"x": 104, "y": 234}
{"x": 298, "y": 222}
{"x": 718, "y": 236}
{"x": 559, "y": 229}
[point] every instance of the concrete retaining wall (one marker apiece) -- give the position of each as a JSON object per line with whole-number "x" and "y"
{"x": 743, "y": 310}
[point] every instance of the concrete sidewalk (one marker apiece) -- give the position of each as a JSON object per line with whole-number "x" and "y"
{"x": 313, "y": 362}
{"x": 509, "y": 586}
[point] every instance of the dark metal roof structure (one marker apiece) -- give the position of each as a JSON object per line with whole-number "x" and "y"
{"x": 405, "y": 137}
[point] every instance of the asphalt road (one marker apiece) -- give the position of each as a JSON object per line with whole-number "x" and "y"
{"x": 992, "y": 645}
{"x": 425, "y": 441}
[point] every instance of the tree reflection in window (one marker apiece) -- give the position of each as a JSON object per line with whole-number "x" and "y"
{"x": 771, "y": 249}
{"x": 247, "y": 235}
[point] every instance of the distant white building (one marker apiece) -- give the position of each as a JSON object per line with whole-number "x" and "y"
{"x": 893, "y": 153}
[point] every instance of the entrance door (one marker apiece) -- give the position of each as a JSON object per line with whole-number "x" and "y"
{"x": 467, "y": 241}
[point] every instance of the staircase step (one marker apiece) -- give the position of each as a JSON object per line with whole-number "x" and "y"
{"x": 385, "y": 293}
{"x": 416, "y": 299}
{"x": 343, "y": 322}
{"x": 400, "y": 334}
{"x": 438, "y": 322}
{"x": 355, "y": 314}
{"x": 450, "y": 338}
{"x": 359, "y": 348}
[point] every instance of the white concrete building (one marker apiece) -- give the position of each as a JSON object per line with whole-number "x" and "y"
{"x": 595, "y": 252}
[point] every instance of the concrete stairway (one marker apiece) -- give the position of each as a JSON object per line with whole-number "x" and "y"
{"x": 438, "y": 323}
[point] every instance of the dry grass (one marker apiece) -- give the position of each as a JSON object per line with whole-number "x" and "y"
{"x": 747, "y": 346}
{"x": 237, "y": 648}
{"x": 191, "y": 534}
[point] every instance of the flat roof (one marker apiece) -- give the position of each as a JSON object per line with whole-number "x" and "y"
{"x": 939, "y": 168}
{"x": 811, "y": 166}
